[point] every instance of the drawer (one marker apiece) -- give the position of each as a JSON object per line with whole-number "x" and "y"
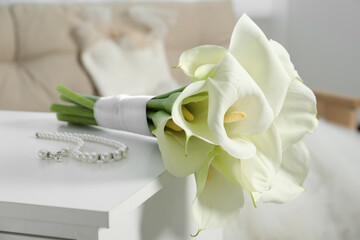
{"x": 18, "y": 236}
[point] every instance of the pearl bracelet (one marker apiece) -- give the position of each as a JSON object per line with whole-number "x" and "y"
{"x": 77, "y": 153}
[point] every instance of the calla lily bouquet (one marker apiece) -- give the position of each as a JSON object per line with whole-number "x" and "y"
{"x": 238, "y": 127}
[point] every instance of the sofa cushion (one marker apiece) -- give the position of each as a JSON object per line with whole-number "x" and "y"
{"x": 41, "y": 30}
{"x": 37, "y": 53}
{"x": 30, "y": 85}
{"x": 7, "y": 33}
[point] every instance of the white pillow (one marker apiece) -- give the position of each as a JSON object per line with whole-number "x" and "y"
{"x": 118, "y": 68}
{"x": 123, "y": 66}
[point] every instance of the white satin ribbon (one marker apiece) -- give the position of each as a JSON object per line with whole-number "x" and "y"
{"x": 123, "y": 112}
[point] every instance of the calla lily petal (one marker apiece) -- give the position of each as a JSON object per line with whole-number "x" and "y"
{"x": 284, "y": 58}
{"x": 288, "y": 183}
{"x": 254, "y": 174}
{"x": 172, "y": 145}
{"x": 229, "y": 167}
{"x": 260, "y": 170}
{"x": 232, "y": 89}
{"x": 202, "y": 174}
{"x": 200, "y": 178}
{"x": 198, "y": 127}
{"x": 191, "y": 60}
{"x": 219, "y": 203}
{"x": 298, "y": 115}
{"x": 252, "y": 49}
{"x": 205, "y": 71}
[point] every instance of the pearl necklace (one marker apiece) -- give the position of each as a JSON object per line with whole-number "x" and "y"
{"x": 77, "y": 153}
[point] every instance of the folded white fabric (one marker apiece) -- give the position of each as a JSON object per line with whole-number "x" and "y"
{"x": 123, "y": 112}
{"x": 122, "y": 66}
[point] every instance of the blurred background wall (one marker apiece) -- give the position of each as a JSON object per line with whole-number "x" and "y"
{"x": 324, "y": 39}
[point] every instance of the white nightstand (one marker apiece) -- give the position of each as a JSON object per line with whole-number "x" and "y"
{"x": 42, "y": 199}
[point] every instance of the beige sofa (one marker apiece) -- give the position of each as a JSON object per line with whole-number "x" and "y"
{"x": 38, "y": 49}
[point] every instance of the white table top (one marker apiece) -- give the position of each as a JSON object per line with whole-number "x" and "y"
{"x": 72, "y": 192}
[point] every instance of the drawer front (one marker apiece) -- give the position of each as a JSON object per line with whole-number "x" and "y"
{"x": 18, "y": 236}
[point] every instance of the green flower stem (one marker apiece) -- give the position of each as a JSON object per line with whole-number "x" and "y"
{"x": 196, "y": 233}
{"x": 90, "y": 97}
{"x": 150, "y": 114}
{"x": 157, "y": 117}
{"x": 165, "y": 95}
{"x": 76, "y": 98}
{"x": 163, "y": 103}
{"x": 151, "y": 121}
{"x": 151, "y": 127}
{"x": 65, "y": 99}
{"x": 72, "y": 110}
{"x": 76, "y": 119}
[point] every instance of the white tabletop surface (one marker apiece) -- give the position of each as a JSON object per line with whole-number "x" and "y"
{"x": 72, "y": 188}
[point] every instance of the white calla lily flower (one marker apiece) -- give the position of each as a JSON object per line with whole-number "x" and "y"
{"x": 232, "y": 90}
{"x": 249, "y": 112}
{"x": 197, "y": 63}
